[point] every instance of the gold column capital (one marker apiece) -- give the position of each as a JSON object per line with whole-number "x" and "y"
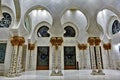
{"x": 31, "y": 46}
{"x": 56, "y": 41}
{"x": 17, "y": 40}
{"x": 91, "y": 41}
{"x": 14, "y": 40}
{"x": 97, "y": 41}
{"x": 21, "y": 40}
{"x": 82, "y": 46}
{"x": 107, "y": 46}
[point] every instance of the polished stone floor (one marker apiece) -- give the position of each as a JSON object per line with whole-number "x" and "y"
{"x": 67, "y": 75}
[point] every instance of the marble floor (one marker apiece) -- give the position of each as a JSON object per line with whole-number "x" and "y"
{"x": 67, "y": 75}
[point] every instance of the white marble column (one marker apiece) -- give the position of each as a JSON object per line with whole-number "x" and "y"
{"x": 53, "y": 60}
{"x": 56, "y": 67}
{"x": 30, "y": 62}
{"x": 107, "y": 47}
{"x": 81, "y": 60}
{"x": 59, "y": 61}
{"x": 19, "y": 65}
{"x": 13, "y": 65}
{"x": 20, "y": 49}
{"x": 109, "y": 59}
{"x": 56, "y": 42}
{"x": 84, "y": 59}
{"x": 94, "y": 72}
{"x": 82, "y": 48}
{"x": 99, "y": 64}
{"x": 30, "y": 50}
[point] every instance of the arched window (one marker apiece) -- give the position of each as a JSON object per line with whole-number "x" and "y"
{"x": 43, "y": 31}
{"x": 6, "y": 20}
{"x": 115, "y": 27}
{"x": 70, "y": 32}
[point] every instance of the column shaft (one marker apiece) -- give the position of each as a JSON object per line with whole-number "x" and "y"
{"x": 84, "y": 60}
{"x": 19, "y": 63}
{"x": 99, "y": 64}
{"x": 81, "y": 60}
{"x": 93, "y": 60}
{"x": 109, "y": 61}
{"x": 59, "y": 59}
{"x": 30, "y": 59}
{"x": 13, "y": 64}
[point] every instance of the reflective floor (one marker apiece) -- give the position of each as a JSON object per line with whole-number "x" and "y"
{"x": 67, "y": 75}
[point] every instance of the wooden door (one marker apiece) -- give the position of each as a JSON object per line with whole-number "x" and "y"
{"x": 69, "y": 57}
{"x": 42, "y": 58}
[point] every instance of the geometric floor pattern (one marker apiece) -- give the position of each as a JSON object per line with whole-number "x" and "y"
{"x": 67, "y": 75}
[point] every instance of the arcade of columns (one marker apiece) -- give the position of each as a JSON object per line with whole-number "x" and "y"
{"x": 17, "y": 42}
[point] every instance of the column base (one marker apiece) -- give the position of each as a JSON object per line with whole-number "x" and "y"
{"x": 59, "y": 73}
{"x": 13, "y": 74}
{"x": 100, "y": 72}
{"x": 94, "y": 72}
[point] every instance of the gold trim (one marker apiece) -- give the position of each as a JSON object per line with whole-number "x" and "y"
{"x": 82, "y": 46}
{"x": 14, "y": 40}
{"x": 94, "y": 41}
{"x": 107, "y": 46}
{"x": 17, "y": 40}
{"x": 97, "y": 41}
{"x": 56, "y": 41}
{"x": 31, "y": 46}
{"x": 21, "y": 41}
{"x": 91, "y": 41}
